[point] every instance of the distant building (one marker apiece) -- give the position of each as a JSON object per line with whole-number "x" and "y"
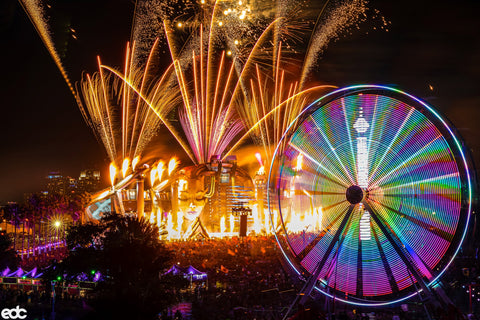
{"x": 89, "y": 181}
{"x": 58, "y": 184}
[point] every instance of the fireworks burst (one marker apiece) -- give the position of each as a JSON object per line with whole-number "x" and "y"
{"x": 126, "y": 109}
{"x": 272, "y": 104}
{"x": 277, "y": 91}
{"x": 208, "y": 74}
{"x": 224, "y": 47}
{"x": 228, "y": 74}
{"x": 207, "y": 116}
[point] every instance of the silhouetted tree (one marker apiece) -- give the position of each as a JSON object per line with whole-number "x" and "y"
{"x": 14, "y": 213}
{"x": 8, "y": 257}
{"x": 76, "y": 205}
{"x": 131, "y": 259}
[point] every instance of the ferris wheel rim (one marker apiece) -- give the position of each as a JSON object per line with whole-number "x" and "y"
{"x": 452, "y": 135}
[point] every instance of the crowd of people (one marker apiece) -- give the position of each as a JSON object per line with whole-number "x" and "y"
{"x": 44, "y": 259}
{"x": 38, "y": 302}
{"x": 246, "y": 279}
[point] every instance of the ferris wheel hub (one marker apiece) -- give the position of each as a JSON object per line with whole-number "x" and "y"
{"x": 354, "y": 194}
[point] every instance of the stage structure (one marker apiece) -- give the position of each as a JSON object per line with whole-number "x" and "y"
{"x": 205, "y": 198}
{"x": 135, "y": 189}
{"x": 202, "y": 200}
{"x": 389, "y": 182}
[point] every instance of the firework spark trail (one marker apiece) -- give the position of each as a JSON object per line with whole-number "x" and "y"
{"x": 207, "y": 115}
{"x": 338, "y": 20}
{"x": 275, "y": 101}
{"x": 207, "y": 140}
{"x": 267, "y": 117}
{"x": 212, "y": 87}
{"x": 147, "y": 26}
{"x": 158, "y": 108}
{"x": 94, "y": 98}
{"x": 126, "y": 109}
{"x": 36, "y": 13}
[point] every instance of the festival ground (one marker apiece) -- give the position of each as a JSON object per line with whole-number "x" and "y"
{"x": 247, "y": 279}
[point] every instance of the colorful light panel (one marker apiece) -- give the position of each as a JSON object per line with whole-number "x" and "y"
{"x": 411, "y": 171}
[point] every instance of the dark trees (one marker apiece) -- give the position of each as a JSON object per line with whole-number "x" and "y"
{"x": 131, "y": 259}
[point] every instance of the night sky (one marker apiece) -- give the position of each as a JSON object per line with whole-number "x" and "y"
{"x": 429, "y": 43}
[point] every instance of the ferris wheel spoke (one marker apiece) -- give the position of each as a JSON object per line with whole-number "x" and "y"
{"x": 343, "y": 166}
{"x": 417, "y": 154}
{"x": 388, "y": 149}
{"x": 333, "y": 205}
{"x": 321, "y": 175}
{"x": 350, "y": 140}
{"x": 343, "y": 183}
{"x": 334, "y": 241}
{"x": 320, "y": 236}
{"x": 436, "y": 231}
{"x": 334, "y": 262}
{"x": 386, "y": 265}
{"x": 423, "y": 181}
{"x": 318, "y": 193}
{"x": 318, "y": 268}
{"x": 359, "y": 288}
{"x": 398, "y": 246}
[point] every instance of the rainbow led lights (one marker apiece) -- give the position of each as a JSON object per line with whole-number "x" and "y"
{"x": 407, "y": 208}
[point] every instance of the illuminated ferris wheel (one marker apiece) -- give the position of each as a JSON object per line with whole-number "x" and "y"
{"x": 370, "y": 193}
